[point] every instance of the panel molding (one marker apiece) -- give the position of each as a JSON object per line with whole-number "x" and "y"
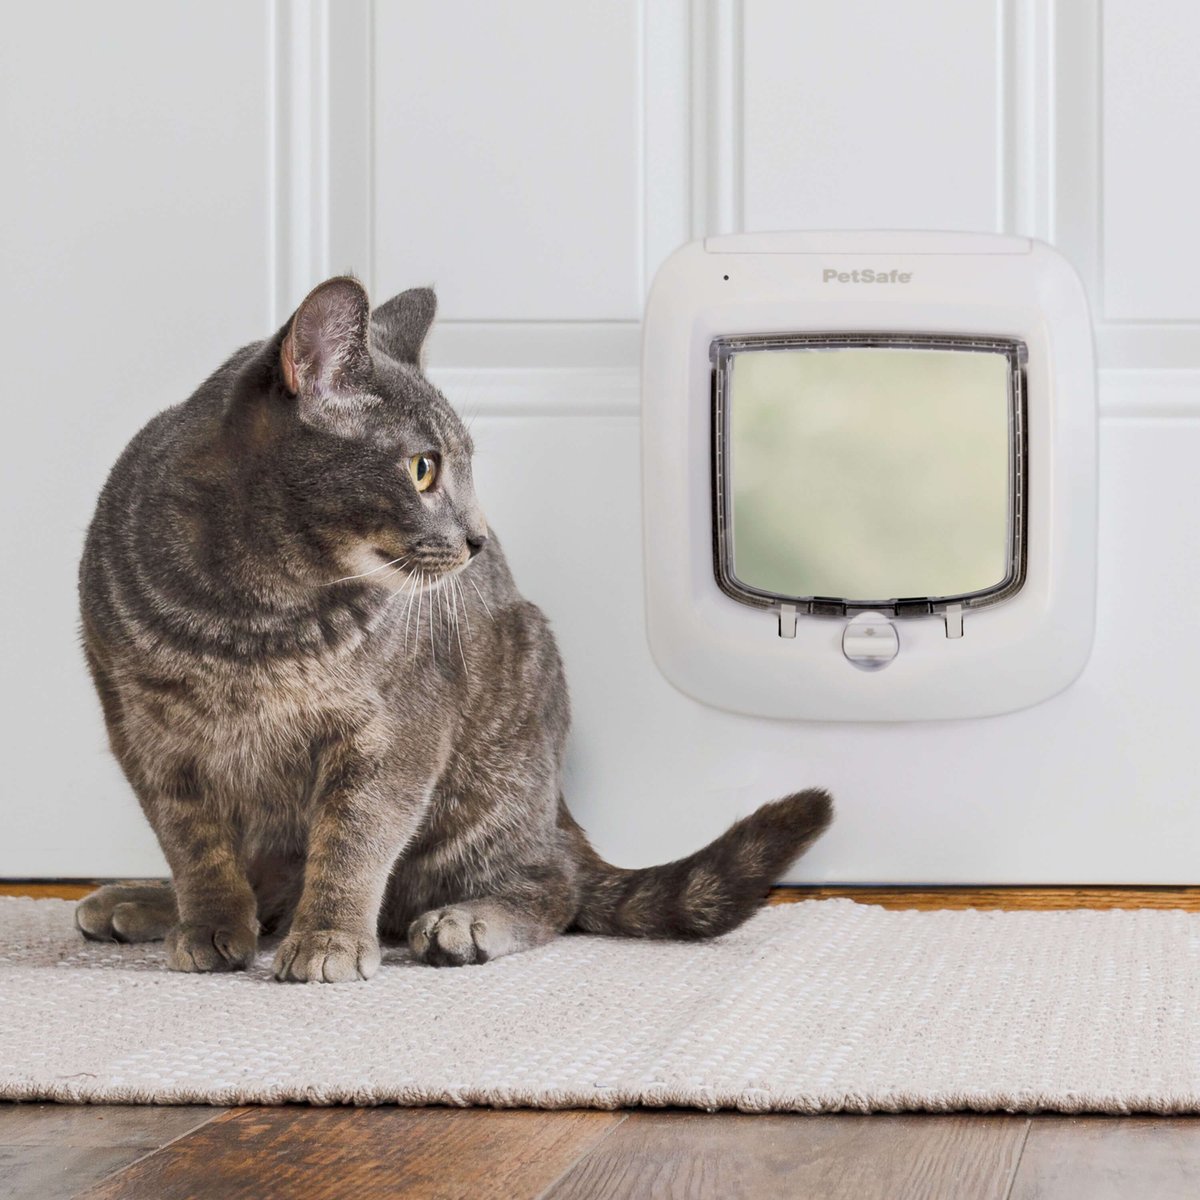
{"x": 1150, "y": 393}
{"x": 350, "y": 131}
{"x": 1148, "y": 99}
{"x": 1025, "y": 42}
{"x": 299, "y": 237}
{"x": 540, "y": 391}
{"x": 717, "y": 122}
{"x": 533, "y": 344}
{"x": 664, "y": 156}
{"x": 320, "y": 80}
{"x": 690, "y": 152}
{"x": 1075, "y": 29}
{"x": 1124, "y": 394}
{"x": 1075, "y": 165}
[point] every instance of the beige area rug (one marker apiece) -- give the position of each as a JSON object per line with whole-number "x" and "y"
{"x": 817, "y": 1007}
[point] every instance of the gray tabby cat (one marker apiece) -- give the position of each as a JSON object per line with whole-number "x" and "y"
{"x": 271, "y": 577}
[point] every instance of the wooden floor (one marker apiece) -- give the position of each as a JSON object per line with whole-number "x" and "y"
{"x": 50, "y": 1151}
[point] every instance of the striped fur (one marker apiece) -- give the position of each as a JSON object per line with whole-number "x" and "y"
{"x": 339, "y": 715}
{"x": 711, "y": 891}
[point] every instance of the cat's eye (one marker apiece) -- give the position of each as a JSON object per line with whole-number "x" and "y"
{"x": 423, "y": 469}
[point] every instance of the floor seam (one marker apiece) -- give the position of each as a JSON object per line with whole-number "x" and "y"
{"x": 583, "y": 1154}
{"x": 1012, "y": 1181}
{"x": 97, "y": 1183}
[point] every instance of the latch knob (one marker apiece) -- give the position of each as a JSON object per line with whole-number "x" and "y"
{"x": 870, "y": 641}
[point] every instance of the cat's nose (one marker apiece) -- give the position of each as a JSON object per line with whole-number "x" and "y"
{"x": 476, "y": 542}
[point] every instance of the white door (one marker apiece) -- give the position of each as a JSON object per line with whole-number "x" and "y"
{"x": 176, "y": 176}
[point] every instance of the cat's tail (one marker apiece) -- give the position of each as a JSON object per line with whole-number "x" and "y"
{"x": 709, "y": 892}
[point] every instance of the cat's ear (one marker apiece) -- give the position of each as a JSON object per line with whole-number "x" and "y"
{"x": 324, "y": 349}
{"x": 400, "y": 326}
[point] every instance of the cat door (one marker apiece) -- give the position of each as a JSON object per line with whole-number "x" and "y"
{"x": 868, "y": 474}
{"x": 879, "y": 472}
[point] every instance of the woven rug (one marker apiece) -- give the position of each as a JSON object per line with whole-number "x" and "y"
{"x": 816, "y": 1007}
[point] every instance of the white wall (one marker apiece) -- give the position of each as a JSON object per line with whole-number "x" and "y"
{"x": 537, "y": 160}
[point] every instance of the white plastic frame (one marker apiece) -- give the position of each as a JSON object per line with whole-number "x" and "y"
{"x": 729, "y": 654}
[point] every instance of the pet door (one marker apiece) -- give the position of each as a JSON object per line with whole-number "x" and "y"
{"x": 868, "y": 472}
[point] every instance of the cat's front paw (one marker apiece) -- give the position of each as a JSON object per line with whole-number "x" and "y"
{"x": 326, "y": 956}
{"x": 449, "y": 937}
{"x": 127, "y": 913}
{"x": 210, "y": 947}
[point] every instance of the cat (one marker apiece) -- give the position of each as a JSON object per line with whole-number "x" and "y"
{"x": 339, "y": 715}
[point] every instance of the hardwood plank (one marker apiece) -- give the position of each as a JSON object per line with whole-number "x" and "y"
{"x": 99, "y": 1124}
{"x": 333, "y": 1153}
{"x": 725, "y": 1155}
{"x": 1187, "y": 898}
{"x": 51, "y": 1150}
{"x": 1106, "y": 1158}
{"x": 56, "y": 1173}
{"x": 1013, "y": 898}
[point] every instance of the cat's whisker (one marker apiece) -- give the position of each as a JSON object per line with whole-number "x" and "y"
{"x": 408, "y": 612}
{"x": 486, "y": 606}
{"x": 458, "y": 631}
{"x": 432, "y": 629}
{"x": 398, "y": 571}
{"x": 450, "y": 617}
{"x": 469, "y": 412}
{"x": 442, "y": 610}
{"x": 364, "y": 574}
{"x": 420, "y": 599}
{"x": 403, "y": 590}
{"x": 466, "y": 608}
{"x": 466, "y": 611}
{"x": 449, "y": 614}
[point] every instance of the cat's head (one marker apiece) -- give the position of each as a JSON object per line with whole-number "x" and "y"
{"x": 355, "y": 463}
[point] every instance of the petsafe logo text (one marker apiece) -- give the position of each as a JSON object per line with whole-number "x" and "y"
{"x": 865, "y": 275}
